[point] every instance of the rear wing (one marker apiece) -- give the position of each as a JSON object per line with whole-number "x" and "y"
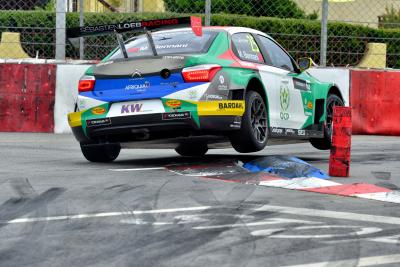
{"x": 137, "y": 26}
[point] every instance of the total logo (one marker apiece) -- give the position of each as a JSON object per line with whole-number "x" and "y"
{"x": 98, "y": 110}
{"x": 138, "y": 86}
{"x": 173, "y": 103}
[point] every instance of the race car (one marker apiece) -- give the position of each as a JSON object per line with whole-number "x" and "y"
{"x": 192, "y": 89}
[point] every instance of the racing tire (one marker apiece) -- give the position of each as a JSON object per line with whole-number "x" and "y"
{"x": 325, "y": 143}
{"x": 253, "y": 134}
{"x": 192, "y": 150}
{"x": 100, "y": 152}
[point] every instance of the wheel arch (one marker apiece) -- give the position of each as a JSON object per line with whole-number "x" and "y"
{"x": 256, "y": 85}
{"x": 334, "y": 89}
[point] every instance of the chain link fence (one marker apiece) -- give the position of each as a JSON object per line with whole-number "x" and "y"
{"x": 355, "y": 27}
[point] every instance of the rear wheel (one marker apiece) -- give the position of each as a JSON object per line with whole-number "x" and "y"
{"x": 100, "y": 152}
{"x": 192, "y": 149}
{"x": 325, "y": 143}
{"x": 253, "y": 134}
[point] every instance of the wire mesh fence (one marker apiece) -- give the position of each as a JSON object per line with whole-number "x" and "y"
{"x": 296, "y": 24}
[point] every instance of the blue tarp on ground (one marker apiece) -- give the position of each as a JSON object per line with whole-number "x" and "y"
{"x": 285, "y": 166}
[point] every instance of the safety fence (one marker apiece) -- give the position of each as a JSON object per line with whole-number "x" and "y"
{"x": 354, "y": 27}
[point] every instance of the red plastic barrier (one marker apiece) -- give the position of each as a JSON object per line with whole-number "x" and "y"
{"x": 339, "y": 160}
{"x": 375, "y": 102}
{"x": 27, "y": 97}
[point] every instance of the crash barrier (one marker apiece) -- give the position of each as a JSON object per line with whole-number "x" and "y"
{"x": 375, "y": 101}
{"x": 339, "y": 160}
{"x": 27, "y": 97}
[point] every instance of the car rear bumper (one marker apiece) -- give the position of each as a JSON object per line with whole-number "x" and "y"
{"x": 152, "y": 126}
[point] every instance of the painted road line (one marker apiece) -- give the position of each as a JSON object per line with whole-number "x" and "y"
{"x": 261, "y": 223}
{"x": 332, "y": 214}
{"x": 360, "y": 262}
{"x": 280, "y": 209}
{"x": 105, "y": 214}
{"x": 392, "y": 196}
{"x": 349, "y": 189}
{"x": 137, "y": 169}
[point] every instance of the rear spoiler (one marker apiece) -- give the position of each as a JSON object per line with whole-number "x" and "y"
{"x": 137, "y": 26}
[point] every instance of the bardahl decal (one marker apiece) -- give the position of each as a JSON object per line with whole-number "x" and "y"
{"x": 230, "y": 105}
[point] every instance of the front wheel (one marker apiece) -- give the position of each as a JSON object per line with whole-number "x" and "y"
{"x": 253, "y": 134}
{"x": 100, "y": 152}
{"x": 325, "y": 143}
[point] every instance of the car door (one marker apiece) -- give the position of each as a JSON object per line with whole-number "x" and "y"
{"x": 287, "y": 99}
{"x": 247, "y": 49}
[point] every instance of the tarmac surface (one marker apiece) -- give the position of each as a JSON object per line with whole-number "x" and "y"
{"x": 57, "y": 209}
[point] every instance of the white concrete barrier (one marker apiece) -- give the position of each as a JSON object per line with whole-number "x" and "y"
{"x": 339, "y": 76}
{"x": 68, "y": 76}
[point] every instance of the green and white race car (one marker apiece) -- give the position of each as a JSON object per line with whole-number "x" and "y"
{"x": 191, "y": 92}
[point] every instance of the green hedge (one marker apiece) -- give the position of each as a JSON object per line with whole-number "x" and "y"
{"x": 346, "y": 42}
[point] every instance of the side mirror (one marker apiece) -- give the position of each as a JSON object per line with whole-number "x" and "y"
{"x": 305, "y": 63}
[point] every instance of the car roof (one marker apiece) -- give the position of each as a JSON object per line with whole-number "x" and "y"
{"x": 228, "y": 29}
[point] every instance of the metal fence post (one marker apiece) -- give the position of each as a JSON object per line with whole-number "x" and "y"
{"x": 208, "y": 13}
{"x": 61, "y": 9}
{"x": 81, "y": 40}
{"x": 324, "y": 32}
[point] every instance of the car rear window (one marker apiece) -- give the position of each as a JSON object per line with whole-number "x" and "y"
{"x": 181, "y": 42}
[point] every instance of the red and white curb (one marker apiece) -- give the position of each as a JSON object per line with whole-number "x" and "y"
{"x": 317, "y": 185}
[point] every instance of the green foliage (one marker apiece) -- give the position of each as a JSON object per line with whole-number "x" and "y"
{"x": 301, "y": 37}
{"x": 267, "y": 8}
{"x": 391, "y": 19}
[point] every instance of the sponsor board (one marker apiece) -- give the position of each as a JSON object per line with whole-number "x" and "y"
{"x": 132, "y": 108}
{"x": 176, "y": 115}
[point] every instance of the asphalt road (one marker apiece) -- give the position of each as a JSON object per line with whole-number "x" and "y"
{"x": 57, "y": 209}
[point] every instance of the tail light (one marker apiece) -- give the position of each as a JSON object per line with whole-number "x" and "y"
{"x": 201, "y": 73}
{"x": 86, "y": 83}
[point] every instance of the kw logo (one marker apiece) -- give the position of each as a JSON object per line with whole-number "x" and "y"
{"x": 132, "y": 108}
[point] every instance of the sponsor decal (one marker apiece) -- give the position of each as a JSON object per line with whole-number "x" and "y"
{"x": 176, "y": 115}
{"x": 98, "y": 110}
{"x": 136, "y": 74}
{"x": 308, "y": 113}
{"x": 173, "y": 103}
{"x": 230, "y": 105}
{"x": 214, "y": 97}
{"x": 237, "y": 122}
{"x": 221, "y": 79}
{"x": 284, "y": 101}
{"x": 309, "y": 105}
{"x": 301, "y": 132}
{"x": 98, "y": 122}
{"x": 174, "y": 57}
{"x": 105, "y": 63}
{"x": 131, "y": 108}
{"x": 289, "y": 131}
{"x": 277, "y": 130}
{"x": 301, "y": 84}
{"x": 192, "y": 94}
{"x": 138, "y": 86}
